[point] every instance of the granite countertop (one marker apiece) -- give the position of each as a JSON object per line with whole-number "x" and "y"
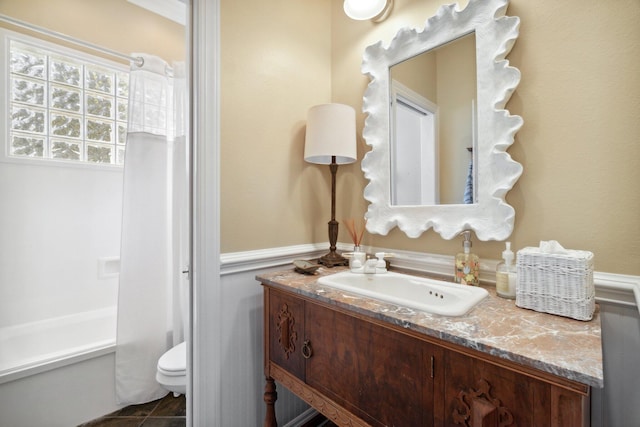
{"x": 562, "y": 346}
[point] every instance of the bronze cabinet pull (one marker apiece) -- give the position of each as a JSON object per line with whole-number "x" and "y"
{"x": 307, "y": 351}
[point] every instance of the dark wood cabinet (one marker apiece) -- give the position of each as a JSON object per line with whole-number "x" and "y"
{"x": 380, "y": 370}
{"x": 285, "y": 320}
{"x": 360, "y": 371}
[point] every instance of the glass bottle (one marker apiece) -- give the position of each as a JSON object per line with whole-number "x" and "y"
{"x": 506, "y": 275}
{"x": 467, "y": 264}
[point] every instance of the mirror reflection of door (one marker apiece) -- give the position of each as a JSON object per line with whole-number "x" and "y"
{"x": 414, "y": 148}
{"x": 446, "y": 78}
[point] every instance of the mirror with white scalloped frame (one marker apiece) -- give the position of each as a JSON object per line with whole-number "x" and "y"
{"x": 490, "y": 217}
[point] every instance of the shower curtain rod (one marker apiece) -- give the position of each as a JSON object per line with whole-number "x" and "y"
{"x": 139, "y": 61}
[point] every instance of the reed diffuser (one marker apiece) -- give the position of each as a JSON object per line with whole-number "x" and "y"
{"x": 356, "y": 231}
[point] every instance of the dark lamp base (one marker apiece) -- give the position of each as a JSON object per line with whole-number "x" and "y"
{"x": 333, "y": 259}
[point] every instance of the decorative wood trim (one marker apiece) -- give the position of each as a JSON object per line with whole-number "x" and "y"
{"x": 321, "y": 403}
{"x": 287, "y": 336}
{"x": 477, "y": 405}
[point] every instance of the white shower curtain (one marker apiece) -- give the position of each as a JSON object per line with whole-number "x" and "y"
{"x": 153, "y": 243}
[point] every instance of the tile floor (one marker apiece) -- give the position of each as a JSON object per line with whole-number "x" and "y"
{"x": 166, "y": 412}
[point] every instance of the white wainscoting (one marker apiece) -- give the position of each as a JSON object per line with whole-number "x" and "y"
{"x": 242, "y": 329}
{"x": 620, "y": 398}
{"x": 242, "y": 353}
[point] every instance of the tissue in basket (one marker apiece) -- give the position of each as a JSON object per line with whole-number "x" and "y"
{"x": 555, "y": 280}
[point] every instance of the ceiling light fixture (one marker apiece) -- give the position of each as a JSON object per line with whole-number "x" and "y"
{"x": 361, "y": 10}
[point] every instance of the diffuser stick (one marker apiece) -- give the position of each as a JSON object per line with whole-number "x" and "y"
{"x": 355, "y": 232}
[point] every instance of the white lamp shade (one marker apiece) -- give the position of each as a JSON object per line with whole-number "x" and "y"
{"x": 331, "y": 131}
{"x": 363, "y": 9}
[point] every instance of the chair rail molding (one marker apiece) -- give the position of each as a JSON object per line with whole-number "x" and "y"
{"x": 610, "y": 287}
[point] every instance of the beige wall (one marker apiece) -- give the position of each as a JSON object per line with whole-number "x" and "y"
{"x": 420, "y": 74}
{"x": 276, "y": 59}
{"x": 579, "y": 97}
{"x": 580, "y": 100}
{"x": 114, "y": 24}
{"x": 447, "y": 77}
{"x": 456, "y": 93}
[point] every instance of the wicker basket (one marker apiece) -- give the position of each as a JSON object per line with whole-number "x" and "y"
{"x": 558, "y": 282}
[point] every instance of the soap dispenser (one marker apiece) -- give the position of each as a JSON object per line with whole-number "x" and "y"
{"x": 467, "y": 268}
{"x": 506, "y": 274}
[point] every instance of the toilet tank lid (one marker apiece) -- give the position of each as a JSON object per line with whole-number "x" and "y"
{"x": 174, "y": 360}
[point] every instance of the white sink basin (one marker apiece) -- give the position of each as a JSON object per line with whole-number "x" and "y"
{"x": 421, "y": 293}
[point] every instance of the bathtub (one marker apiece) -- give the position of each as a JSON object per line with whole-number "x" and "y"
{"x": 36, "y": 347}
{"x": 58, "y": 371}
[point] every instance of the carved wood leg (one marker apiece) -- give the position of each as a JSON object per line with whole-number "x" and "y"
{"x": 270, "y": 397}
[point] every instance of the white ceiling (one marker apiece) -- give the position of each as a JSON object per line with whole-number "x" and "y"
{"x": 175, "y": 10}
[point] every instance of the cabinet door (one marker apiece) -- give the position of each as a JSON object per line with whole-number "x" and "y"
{"x": 382, "y": 376}
{"x": 478, "y": 393}
{"x": 286, "y": 331}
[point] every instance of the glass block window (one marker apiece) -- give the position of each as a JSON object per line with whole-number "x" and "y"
{"x": 65, "y": 106}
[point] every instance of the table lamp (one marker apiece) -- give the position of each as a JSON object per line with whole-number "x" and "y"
{"x": 331, "y": 140}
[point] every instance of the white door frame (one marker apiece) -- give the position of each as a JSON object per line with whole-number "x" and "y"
{"x": 204, "y": 353}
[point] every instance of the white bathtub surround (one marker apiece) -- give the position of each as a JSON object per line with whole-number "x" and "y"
{"x": 155, "y": 181}
{"x": 62, "y": 397}
{"x": 35, "y": 347}
{"x": 58, "y": 372}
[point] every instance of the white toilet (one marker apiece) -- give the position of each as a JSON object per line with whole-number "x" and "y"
{"x": 172, "y": 369}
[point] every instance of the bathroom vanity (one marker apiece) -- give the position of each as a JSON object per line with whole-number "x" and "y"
{"x": 364, "y": 362}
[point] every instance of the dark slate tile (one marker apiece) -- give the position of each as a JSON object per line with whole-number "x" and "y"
{"x": 141, "y": 410}
{"x": 166, "y": 412}
{"x": 165, "y": 422}
{"x": 115, "y": 422}
{"x": 171, "y": 406}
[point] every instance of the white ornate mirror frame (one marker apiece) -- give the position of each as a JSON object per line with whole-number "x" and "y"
{"x": 490, "y": 217}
